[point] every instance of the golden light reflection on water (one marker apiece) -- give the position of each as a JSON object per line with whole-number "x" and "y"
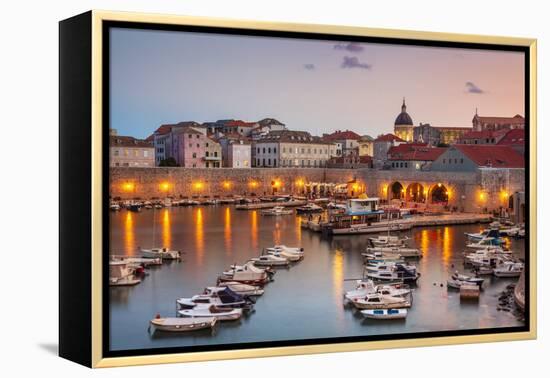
{"x": 298, "y": 224}
{"x": 424, "y": 241}
{"x": 227, "y": 231}
{"x": 254, "y": 229}
{"x": 338, "y": 275}
{"x": 277, "y": 234}
{"x": 199, "y": 235}
{"x": 166, "y": 229}
{"x": 447, "y": 241}
{"x": 129, "y": 236}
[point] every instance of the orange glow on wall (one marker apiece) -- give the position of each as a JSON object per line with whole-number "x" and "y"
{"x": 165, "y": 186}
{"x": 253, "y": 184}
{"x": 226, "y": 184}
{"x": 277, "y": 183}
{"x": 198, "y": 185}
{"x": 300, "y": 182}
{"x": 128, "y": 186}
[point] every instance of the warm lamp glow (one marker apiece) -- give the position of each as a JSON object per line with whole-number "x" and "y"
{"x": 164, "y": 186}
{"x": 253, "y": 184}
{"x": 128, "y": 186}
{"x": 198, "y": 185}
{"x": 300, "y": 182}
{"x": 277, "y": 183}
{"x": 226, "y": 184}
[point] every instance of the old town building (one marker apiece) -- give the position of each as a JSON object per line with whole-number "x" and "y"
{"x": 126, "y": 151}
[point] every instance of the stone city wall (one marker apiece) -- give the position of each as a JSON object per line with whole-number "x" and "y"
{"x": 479, "y": 191}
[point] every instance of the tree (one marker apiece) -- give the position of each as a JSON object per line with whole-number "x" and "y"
{"x": 169, "y": 162}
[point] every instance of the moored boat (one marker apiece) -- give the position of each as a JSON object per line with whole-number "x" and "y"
{"x": 309, "y": 208}
{"x": 163, "y": 253}
{"x": 385, "y": 314}
{"x": 379, "y": 301}
{"x": 508, "y": 269}
{"x": 239, "y": 288}
{"x": 270, "y": 260}
{"x": 207, "y": 311}
{"x": 397, "y": 251}
{"x": 388, "y": 241}
{"x": 182, "y": 324}
{"x": 277, "y": 210}
{"x": 457, "y": 280}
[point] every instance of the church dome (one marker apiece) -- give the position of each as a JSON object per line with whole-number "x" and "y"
{"x": 404, "y": 118}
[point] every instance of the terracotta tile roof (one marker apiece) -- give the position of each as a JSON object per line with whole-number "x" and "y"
{"x": 166, "y": 128}
{"x": 415, "y": 152}
{"x": 341, "y": 135}
{"x": 239, "y": 123}
{"x": 292, "y": 136}
{"x": 388, "y": 138}
{"x": 513, "y": 137}
{"x": 492, "y": 156}
{"x": 484, "y": 134}
{"x": 128, "y": 141}
{"x": 515, "y": 120}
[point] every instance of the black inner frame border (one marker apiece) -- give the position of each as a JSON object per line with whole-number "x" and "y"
{"x": 108, "y": 25}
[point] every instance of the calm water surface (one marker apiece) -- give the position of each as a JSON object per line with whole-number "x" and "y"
{"x": 305, "y": 300}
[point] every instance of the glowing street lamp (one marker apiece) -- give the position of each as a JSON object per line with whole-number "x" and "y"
{"x": 226, "y": 184}
{"x": 198, "y": 185}
{"x": 164, "y": 186}
{"x": 128, "y": 186}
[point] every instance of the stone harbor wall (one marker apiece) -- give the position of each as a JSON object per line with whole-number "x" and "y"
{"x": 480, "y": 191}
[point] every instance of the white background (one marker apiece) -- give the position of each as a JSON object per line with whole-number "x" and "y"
{"x": 29, "y": 189}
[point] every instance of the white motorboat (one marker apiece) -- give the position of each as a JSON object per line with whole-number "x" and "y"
{"x": 137, "y": 261}
{"x": 208, "y": 311}
{"x": 219, "y": 298}
{"x": 247, "y": 274}
{"x": 483, "y": 270}
{"x": 270, "y": 260}
{"x": 120, "y": 274}
{"x": 277, "y": 210}
{"x": 182, "y": 324}
{"x": 114, "y": 207}
{"x": 485, "y": 242}
{"x": 457, "y": 280}
{"x": 385, "y": 314}
{"x": 388, "y": 241}
{"x": 364, "y": 287}
{"x": 239, "y": 288}
{"x": 397, "y": 251}
{"x": 508, "y": 269}
{"x": 163, "y": 253}
{"x": 395, "y": 272}
{"x": 379, "y": 301}
{"x": 309, "y": 208}
{"x": 291, "y": 257}
{"x": 281, "y": 247}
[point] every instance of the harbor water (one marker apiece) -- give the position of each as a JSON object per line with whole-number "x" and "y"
{"x": 305, "y": 300}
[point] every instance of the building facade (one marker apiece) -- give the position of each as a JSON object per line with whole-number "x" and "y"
{"x": 291, "y": 149}
{"x": 366, "y": 145}
{"x": 416, "y": 157}
{"x": 381, "y": 146}
{"x": 481, "y": 123}
{"x": 469, "y": 158}
{"x": 126, "y": 151}
{"x": 436, "y": 135}
{"x": 348, "y": 141}
{"x": 212, "y": 153}
{"x": 236, "y": 152}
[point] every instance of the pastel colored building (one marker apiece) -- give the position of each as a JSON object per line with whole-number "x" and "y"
{"x": 127, "y": 151}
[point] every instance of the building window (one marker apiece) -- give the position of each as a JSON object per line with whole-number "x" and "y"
{"x": 461, "y": 161}
{"x": 194, "y": 155}
{"x": 198, "y": 145}
{"x": 263, "y": 150}
{"x": 126, "y": 152}
{"x": 274, "y": 150}
{"x": 190, "y": 145}
{"x": 115, "y": 152}
{"x": 207, "y": 153}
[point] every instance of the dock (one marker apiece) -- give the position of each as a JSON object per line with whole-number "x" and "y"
{"x": 269, "y": 205}
{"x": 448, "y": 219}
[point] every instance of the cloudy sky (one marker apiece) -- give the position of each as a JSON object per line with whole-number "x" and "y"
{"x": 319, "y": 86}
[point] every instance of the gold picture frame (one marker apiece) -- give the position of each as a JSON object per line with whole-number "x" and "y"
{"x": 94, "y": 22}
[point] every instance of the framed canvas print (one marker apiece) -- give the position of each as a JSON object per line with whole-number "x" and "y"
{"x": 235, "y": 189}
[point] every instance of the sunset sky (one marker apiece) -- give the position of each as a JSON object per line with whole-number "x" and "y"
{"x": 318, "y": 86}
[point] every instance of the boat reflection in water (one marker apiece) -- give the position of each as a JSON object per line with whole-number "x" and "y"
{"x": 214, "y": 237}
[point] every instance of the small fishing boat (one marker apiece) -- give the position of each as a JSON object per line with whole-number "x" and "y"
{"x": 388, "y": 241}
{"x": 508, "y": 269}
{"x": 137, "y": 261}
{"x": 219, "y": 298}
{"x": 277, "y": 210}
{"x": 309, "y": 208}
{"x": 490, "y": 232}
{"x": 208, "y": 311}
{"x": 114, "y": 207}
{"x": 485, "y": 242}
{"x": 394, "y": 272}
{"x": 379, "y": 301}
{"x": 385, "y": 314}
{"x": 182, "y": 324}
{"x": 457, "y": 280}
{"x": 270, "y": 260}
{"x": 247, "y": 274}
{"x": 120, "y": 274}
{"x": 397, "y": 251}
{"x": 364, "y": 287}
{"x": 483, "y": 270}
{"x": 163, "y": 253}
{"x": 281, "y": 247}
{"x": 134, "y": 207}
{"x": 239, "y": 288}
